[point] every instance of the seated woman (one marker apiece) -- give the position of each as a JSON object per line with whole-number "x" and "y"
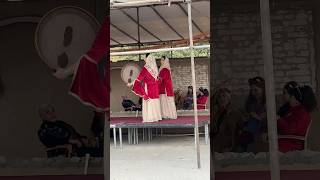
{"x": 256, "y": 121}
{"x": 188, "y": 101}
{"x": 178, "y": 99}
{"x": 300, "y": 101}
{"x": 226, "y": 123}
{"x": 202, "y": 98}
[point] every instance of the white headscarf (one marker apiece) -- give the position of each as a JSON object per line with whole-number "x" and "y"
{"x": 166, "y": 64}
{"x": 151, "y": 66}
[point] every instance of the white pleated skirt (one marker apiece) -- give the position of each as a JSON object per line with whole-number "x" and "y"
{"x": 151, "y": 110}
{"x": 168, "y": 107}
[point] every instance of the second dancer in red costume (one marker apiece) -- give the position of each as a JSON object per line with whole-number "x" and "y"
{"x": 168, "y": 107}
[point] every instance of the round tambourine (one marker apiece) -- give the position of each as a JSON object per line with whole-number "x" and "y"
{"x": 130, "y": 72}
{"x": 64, "y": 34}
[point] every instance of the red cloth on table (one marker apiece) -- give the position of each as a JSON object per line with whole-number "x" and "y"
{"x": 295, "y": 123}
{"x": 88, "y": 86}
{"x": 165, "y": 84}
{"x": 152, "y": 84}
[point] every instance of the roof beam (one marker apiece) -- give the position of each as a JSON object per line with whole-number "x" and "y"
{"x": 123, "y": 32}
{"x": 164, "y": 20}
{"x": 193, "y": 23}
{"x": 116, "y": 41}
{"x": 152, "y": 43}
{"x": 144, "y": 28}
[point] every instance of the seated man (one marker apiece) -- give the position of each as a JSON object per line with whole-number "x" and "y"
{"x": 129, "y": 105}
{"x": 55, "y": 133}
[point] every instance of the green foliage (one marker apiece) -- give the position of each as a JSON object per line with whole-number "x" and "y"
{"x": 171, "y": 54}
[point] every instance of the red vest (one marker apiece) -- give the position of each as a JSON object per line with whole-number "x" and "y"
{"x": 146, "y": 85}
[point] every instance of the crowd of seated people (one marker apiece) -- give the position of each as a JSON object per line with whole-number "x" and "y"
{"x": 184, "y": 100}
{"x": 246, "y": 131}
{"x": 61, "y": 138}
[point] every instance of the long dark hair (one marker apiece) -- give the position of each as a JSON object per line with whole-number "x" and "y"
{"x": 102, "y": 68}
{"x": 259, "y": 82}
{"x": 303, "y": 94}
{"x": 1, "y": 87}
{"x": 191, "y": 90}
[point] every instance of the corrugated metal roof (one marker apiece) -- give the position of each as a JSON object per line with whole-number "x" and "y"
{"x": 158, "y": 23}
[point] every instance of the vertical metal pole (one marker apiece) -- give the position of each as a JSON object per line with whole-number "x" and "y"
{"x": 134, "y": 136}
{"x": 115, "y": 136}
{"x": 138, "y": 20}
{"x": 102, "y": 9}
{"x": 137, "y": 134}
{"x": 212, "y": 85}
{"x": 143, "y": 130}
{"x": 86, "y": 164}
{"x": 106, "y": 148}
{"x": 268, "y": 74}
{"x": 129, "y": 135}
{"x": 196, "y": 129}
{"x": 120, "y": 137}
{"x": 206, "y": 133}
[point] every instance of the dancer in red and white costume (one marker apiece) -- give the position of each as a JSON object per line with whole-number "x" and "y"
{"x": 147, "y": 87}
{"x": 168, "y": 107}
{"x": 89, "y": 85}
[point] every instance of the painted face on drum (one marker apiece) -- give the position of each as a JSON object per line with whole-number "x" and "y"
{"x": 63, "y": 59}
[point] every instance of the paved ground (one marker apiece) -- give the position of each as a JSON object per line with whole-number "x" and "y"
{"x": 164, "y": 158}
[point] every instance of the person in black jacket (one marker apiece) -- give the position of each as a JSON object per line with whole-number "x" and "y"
{"x": 54, "y": 132}
{"x": 129, "y": 105}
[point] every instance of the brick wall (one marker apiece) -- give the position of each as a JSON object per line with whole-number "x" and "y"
{"x": 238, "y": 48}
{"x": 181, "y": 71}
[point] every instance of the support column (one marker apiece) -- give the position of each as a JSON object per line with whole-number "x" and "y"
{"x": 270, "y": 92}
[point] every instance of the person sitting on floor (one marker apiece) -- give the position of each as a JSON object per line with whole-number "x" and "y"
{"x": 129, "y": 105}
{"x": 56, "y": 133}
